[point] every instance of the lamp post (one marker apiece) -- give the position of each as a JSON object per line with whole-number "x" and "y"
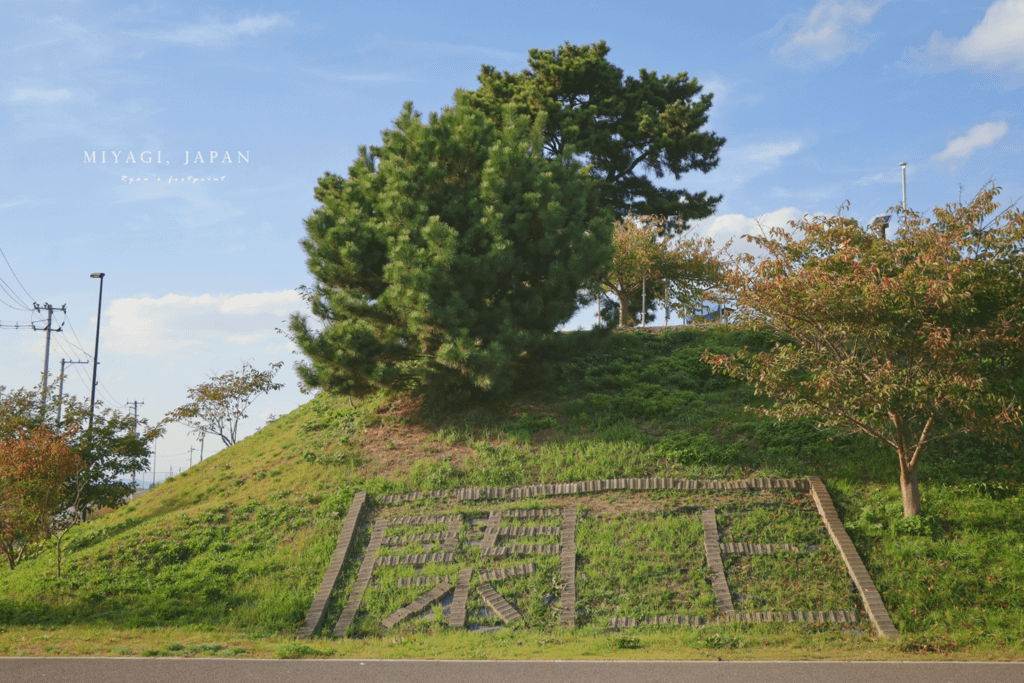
{"x": 903, "y": 166}
{"x": 96, "y": 351}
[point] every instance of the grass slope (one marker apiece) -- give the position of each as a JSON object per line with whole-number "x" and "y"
{"x": 224, "y": 559}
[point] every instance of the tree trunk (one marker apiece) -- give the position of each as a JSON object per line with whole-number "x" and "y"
{"x": 623, "y": 309}
{"x": 909, "y": 489}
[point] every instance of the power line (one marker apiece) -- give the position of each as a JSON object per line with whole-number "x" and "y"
{"x": 5, "y": 288}
{"x": 16, "y": 277}
{"x": 105, "y": 392}
{"x": 78, "y": 342}
{"x": 60, "y": 395}
{"x": 68, "y": 352}
{"x": 99, "y": 382}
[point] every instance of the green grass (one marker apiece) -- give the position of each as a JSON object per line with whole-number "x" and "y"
{"x": 642, "y": 565}
{"x": 227, "y": 556}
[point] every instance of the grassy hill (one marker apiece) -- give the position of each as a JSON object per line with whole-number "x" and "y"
{"x": 225, "y": 558}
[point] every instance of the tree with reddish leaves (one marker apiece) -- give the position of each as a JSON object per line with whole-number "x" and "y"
{"x": 35, "y": 453}
{"x": 647, "y": 258}
{"x": 36, "y": 468}
{"x": 909, "y": 340}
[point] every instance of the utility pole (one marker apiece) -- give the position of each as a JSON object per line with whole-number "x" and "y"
{"x": 60, "y": 394}
{"x": 46, "y": 358}
{"x": 190, "y": 449}
{"x": 136, "y": 406}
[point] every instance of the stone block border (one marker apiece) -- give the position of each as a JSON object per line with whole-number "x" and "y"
{"x": 420, "y": 604}
{"x": 713, "y": 552}
{"x": 872, "y": 599}
{"x": 318, "y": 610}
{"x": 509, "y": 572}
{"x": 418, "y": 581}
{"x": 567, "y": 607}
{"x": 498, "y": 604}
{"x": 869, "y": 594}
{"x": 457, "y": 616}
{"x": 528, "y": 531}
{"x": 755, "y": 548}
{"x": 837, "y": 617}
{"x": 418, "y": 560}
{"x": 597, "y": 486}
{"x": 505, "y": 550}
{"x": 348, "y": 614}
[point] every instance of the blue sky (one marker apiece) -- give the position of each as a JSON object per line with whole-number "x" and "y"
{"x": 819, "y": 103}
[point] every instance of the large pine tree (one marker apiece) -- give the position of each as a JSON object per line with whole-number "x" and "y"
{"x": 447, "y": 255}
{"x": 626, "y": 129}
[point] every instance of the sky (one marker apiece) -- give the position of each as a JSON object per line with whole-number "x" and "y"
{"x": 175, "y": 148}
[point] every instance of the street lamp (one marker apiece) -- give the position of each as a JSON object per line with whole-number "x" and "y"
{"x": 96, "y": 352}
{"x": 903, "y": 166}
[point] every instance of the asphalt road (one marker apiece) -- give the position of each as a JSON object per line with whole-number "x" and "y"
{"x": 176, "y": 670}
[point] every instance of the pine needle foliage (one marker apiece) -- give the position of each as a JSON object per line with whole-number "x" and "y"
{"x": 446, "y": 256}
{"x": 627, "y": 129}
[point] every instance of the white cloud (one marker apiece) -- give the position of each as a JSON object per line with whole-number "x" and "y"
{"x": 176, "y": 325}
{"x": 762, "y": 157}
{"x": 15, "y": 202}
{"x": 771, "y": 153}
{"x": 995, "y": 43}
{"x": 389, "y": 44}
{"x": 214, "y": 33}
{"x": 39, "y": 94}
{"x": 733, "y": 226}
{"x": 829, "y": 31}
{"x": 379, "y": 77}
{"x": 982, "y": 135}
{"x": 718, "y": 87}
{"x": 893, "y": 177}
